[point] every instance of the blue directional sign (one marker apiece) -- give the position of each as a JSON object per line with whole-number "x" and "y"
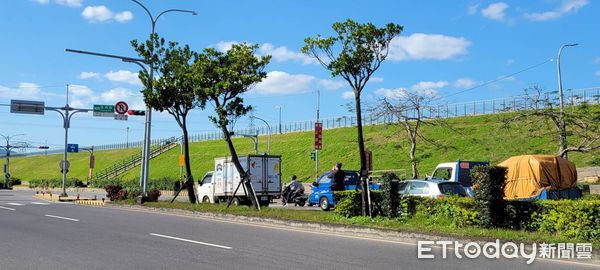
{"x": 73, "y": 148}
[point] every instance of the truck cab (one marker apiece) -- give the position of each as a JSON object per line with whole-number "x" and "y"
{"x": 206, "y": 188}
{"x": 458, "y": 171}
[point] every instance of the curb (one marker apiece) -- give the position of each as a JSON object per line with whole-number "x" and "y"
{"x": 91, "y": 202}
{"x": 55, "y": 198}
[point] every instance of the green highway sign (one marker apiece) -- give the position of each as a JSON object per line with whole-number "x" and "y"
{"x": 104, "y": 110}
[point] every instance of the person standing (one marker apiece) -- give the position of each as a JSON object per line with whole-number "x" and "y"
{"x": 338, "y": 176}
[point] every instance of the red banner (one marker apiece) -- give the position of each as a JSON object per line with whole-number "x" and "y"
{"x": 318, "y": 136}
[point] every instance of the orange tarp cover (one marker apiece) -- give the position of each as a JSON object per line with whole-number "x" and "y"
{"x": 529, "y": 174}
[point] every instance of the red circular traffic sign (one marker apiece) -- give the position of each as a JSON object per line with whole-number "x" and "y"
{"x": 121, "y": 107}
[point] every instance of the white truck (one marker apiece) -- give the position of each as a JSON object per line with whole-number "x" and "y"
{"x": 457, "y": 171}
{"x": 265, "y": 176}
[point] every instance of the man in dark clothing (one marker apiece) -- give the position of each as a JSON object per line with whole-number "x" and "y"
{"x": 338, "y": 176}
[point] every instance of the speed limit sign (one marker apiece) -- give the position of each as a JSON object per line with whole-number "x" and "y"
{"x": 121, "y": 107}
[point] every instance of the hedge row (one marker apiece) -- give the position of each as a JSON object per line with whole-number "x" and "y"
{"x": 578, "y": 219}
{"x": 160, "y": 184}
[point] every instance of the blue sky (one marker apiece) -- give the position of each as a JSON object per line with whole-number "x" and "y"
{"x": 446, "y": 47}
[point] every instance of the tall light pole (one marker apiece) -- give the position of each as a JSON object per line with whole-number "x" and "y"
{"x": 279, "y": 107}
{"x": 147, "y": 127}
{"x": 269, "y": 128}
{"x": 563, "y": 127}
{"x": 127, "y": 141}
{"x": 8, "y": 148}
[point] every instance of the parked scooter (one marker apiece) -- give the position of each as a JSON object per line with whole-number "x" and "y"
{"x": 297, "y": 197}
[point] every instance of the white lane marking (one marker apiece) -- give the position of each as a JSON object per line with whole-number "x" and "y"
{"x": 14, "y": 203}
{"x": 190, "y": 241}
{"x": 40, "y": 203}
{"x": 6, "y": 208}
{"x": 65, "y": 218}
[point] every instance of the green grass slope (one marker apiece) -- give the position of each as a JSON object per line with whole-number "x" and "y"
{"x": 479, "y": 138}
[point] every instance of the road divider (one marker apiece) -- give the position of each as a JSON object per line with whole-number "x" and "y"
{"x": 64, "y": 218}
{"x": 189, "y": 241}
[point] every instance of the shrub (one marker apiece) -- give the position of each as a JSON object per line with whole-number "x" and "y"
{"x": 390, "y": 200}
{"x": 349, "y": 202}
{"x": 459, "y": 211}
{"x": 121, "y": 195}
{"x": 488, "y": 190}
{"x": 573, "y": 219}
{"x": 14, "y": 181}
{"x": 112, "y": 191}
{"x": 153, "y": 195}
{"x": 78, "y": 183}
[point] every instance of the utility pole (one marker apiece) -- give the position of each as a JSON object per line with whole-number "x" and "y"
{"x": 563, "y": 125}
{"x": 317, "y": 150}
{"x": 279, "y": 107}
{"x": 127, "y": 137}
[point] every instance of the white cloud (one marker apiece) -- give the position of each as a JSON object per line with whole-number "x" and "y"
{"x": 224, "y": 46}
{"x": 24, "y": 90}
{"x": 429, "y": 85}
{"x": 348, "y": 95}
{"x": 597, "y": 60}
{"x": 42, "y": 1}
{"x": 495, "y": 11}
{"x": 124, "y": 76}
{"x": 279, "y": 82}
{"x": 510, "y": 62}
{"x": 376, "y": 79}
{"x": 124, "y": 16}
{"x": 95, "y": 14}
{"x": 69, "y": 3}
{"x": 472, "y": 9}
{"x": 567, "y": 7}
{"x": 391, "y": 93}
{"x": 135, "y": 100}
{"x": 81, "y": 96}
{"x": 88, "y": 75}
{"x": 421, "y": 46}
{"x": 464, "y": 83}
{"x": 598, "y": 73}
{"x": 282, "y": 54}
{"x": 332, "y": 84}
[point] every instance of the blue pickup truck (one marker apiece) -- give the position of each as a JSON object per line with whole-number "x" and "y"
{"x": 322, "y": 195}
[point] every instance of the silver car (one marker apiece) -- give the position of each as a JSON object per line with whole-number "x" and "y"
{"x": 432, "y": 188}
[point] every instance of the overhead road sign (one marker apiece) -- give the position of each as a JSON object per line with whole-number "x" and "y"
{"x": 26, "y": 106}
{"x": 104, "y": 110}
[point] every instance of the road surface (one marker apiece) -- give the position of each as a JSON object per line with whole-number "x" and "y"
{"x": 41, "y": 235}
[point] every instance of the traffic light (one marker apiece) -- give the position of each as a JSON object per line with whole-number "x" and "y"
{"x": 43, "y": 147}
{"x": 136, "y": 112}
{"x": 313, "y": 155}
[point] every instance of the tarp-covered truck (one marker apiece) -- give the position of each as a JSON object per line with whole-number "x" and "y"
{"x": 540, "y": 177}
{"x": 264, "y": 172}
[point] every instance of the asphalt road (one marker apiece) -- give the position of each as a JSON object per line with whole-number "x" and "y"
{"x": 40, "y": 235}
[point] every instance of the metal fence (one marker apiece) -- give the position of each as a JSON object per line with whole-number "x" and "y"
{"x": 472, "y": 108}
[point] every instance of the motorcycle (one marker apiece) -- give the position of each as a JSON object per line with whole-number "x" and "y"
{"x": 298, "y": 197}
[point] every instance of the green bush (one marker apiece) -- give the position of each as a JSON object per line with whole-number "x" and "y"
{"x": 459, "y": 211}
{"x": 153, "y": 195}
{"x": 14, "y": 181}
{"x": 489, "y": 182}
{"x": 349, "y": 202}
{"x": 571, "y": 218}
{"x": 390, "y": 201}
{"x": 55, "y": 183}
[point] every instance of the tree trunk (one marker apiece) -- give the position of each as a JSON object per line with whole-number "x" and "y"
{"x": 188, "y": 168}
{"x": 238, "y": 166}
{"x": 361, "y": 150}
{"x": 413, "y": 158}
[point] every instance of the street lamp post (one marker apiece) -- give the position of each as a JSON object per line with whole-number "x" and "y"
{"x": 269, "y": 129}
{"x": 563, "y": 129}
{"x": 147, "y": 127}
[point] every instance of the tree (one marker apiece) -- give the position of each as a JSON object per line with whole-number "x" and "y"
{"x": 221, "y": 79}
{"x": 355, "y": 53}
{"x": 173, "y": 90}
{"x": 409, "y": 109}
{"x": 577, "y": 129}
